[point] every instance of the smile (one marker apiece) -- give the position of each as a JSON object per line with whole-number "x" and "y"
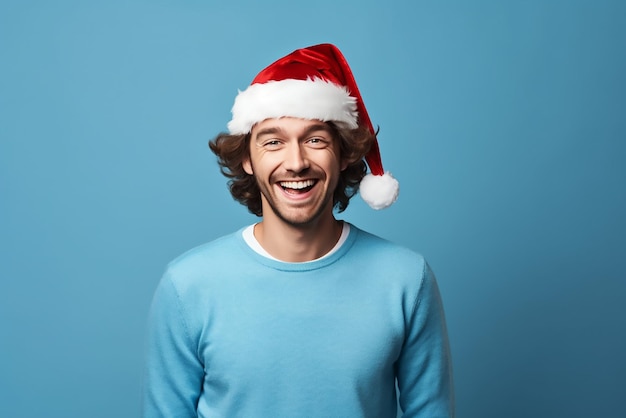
{"x": 297, "y": 186}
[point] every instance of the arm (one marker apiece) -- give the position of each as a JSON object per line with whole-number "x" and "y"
{"x": 174, "y": 373}
{"x": 424, "y": 368}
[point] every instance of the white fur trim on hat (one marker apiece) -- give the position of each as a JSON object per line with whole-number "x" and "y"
{"x": 308, "y": 99}
{"x": 379, "y": 191}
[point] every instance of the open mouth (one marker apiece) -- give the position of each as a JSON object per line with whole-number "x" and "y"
{"x": 297, "y": 187}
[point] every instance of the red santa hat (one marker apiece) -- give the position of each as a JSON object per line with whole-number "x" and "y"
{"x": 314, "y": 83}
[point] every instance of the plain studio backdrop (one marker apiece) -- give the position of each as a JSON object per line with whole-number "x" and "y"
{"x": 504, "y": 122}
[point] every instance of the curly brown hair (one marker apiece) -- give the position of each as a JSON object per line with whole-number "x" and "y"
{"x": 233, "y": 150}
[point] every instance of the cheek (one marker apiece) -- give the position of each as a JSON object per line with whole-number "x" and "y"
{"x": 337, "y": 161}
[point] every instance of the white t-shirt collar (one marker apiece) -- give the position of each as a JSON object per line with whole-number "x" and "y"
{"x": 250, "y": 239}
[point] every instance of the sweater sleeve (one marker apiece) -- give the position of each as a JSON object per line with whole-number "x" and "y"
{"x": 424, "y": 368}
{"x": 174, "y": 372}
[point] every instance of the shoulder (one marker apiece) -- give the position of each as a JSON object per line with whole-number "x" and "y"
{"x": 376, "y": 250}
{"x": 396, "y": 272}
{"x": 211, "y": 250}
{"x": 391, "y": 266}
{"x": 205, "y": 262}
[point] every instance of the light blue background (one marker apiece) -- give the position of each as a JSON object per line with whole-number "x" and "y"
{"x": 505, "y": 122}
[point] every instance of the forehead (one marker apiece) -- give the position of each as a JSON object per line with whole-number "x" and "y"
{"x": 291, "y": 126}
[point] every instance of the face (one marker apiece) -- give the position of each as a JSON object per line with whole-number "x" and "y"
{"x": 296, "y": 163}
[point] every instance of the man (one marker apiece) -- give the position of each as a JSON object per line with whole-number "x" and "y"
{"x": 299, "y": 315}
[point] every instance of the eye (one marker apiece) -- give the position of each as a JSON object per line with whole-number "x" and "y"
{"x": 271, "y": 143}
{"x": 317, "y": 142}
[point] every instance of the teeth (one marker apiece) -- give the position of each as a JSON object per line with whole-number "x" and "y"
{"x": 297, "y": 184}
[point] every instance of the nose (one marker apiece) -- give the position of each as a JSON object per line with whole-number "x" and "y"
{"x": 295, "y": 159}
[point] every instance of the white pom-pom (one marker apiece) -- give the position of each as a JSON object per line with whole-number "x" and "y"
{"x": 379, "y": 191}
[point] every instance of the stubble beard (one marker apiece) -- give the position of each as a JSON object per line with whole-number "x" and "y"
{"x": 295, "y": 221}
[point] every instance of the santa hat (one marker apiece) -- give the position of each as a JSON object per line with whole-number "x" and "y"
{"x": 314, "y": 83}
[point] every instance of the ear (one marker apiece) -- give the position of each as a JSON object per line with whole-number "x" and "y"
{"x": 344, "y": 164}
{"x": 247, "y": 166}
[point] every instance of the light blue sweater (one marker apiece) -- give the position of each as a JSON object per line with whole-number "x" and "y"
{"x": 235, "y": 334}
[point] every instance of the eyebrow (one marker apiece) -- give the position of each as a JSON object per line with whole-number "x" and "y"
{"x": 313, "y": 128}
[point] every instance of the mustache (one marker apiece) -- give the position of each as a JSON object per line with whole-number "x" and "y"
{"x": 307, "y": 174}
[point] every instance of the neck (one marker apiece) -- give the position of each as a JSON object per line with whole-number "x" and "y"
{"x": 298, "y": 243}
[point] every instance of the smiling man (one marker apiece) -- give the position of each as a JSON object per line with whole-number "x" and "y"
{"x": 300, "y": 314}
{"x": 296, "y": 164}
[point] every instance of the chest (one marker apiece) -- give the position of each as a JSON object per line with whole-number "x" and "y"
{"x": 327, "y": 330}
